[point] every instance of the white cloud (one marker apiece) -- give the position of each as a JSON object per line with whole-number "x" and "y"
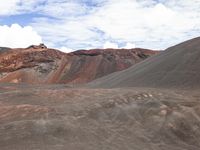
{"x": 13, "y": 7}
{"x": 8, "y": 7}
{"x": 129, "y": 46}
{"x": 155, "y": 25}
{"x": 110, "y": 45}
{"x": 65, "y": 49}
{"x": 16, "y": 36}
{"x": 60, "y": 9}
{"x": 149, "y": 23}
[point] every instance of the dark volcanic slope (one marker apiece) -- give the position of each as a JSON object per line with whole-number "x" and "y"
{"x": 38, "y": 64}
{"x": 178, "y": 66}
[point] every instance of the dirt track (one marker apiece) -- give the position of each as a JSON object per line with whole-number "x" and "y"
{"x": 57, "y": 117}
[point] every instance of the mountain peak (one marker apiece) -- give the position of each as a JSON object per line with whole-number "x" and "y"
{"x": 40, "y": 46}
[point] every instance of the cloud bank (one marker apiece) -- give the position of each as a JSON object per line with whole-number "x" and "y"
{"x": 16, "y": 36}
{"x": 84, "y": 24}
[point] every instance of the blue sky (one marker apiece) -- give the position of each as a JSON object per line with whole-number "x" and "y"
{"x": 84, "y": 24}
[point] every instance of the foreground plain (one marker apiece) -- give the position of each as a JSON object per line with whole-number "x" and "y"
{"x": 58, "y": 117}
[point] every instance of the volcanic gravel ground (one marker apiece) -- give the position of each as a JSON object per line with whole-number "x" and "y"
{"x": 57, "y": 117}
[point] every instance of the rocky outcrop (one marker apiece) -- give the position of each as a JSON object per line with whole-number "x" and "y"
{"x": 39, "y": 64}
{"x": 41, "y": 46}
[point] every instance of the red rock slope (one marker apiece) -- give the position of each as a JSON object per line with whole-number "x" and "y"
{"x": 39, "y": 64}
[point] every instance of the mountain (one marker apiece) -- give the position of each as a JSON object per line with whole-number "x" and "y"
{"x": 39, "y": 64}
{"x": 59, "y": 117}
{"x": 176, "y": 67}
{"x": 3, "y": 49}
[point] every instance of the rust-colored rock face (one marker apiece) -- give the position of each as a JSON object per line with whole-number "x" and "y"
{"x": 38, "y": 64}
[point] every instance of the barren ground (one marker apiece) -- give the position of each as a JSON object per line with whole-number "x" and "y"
{"x": 58, "y": 117}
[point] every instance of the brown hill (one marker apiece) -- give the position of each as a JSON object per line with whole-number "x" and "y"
{"x": 177, "y": 67}
{"x": 39, "y": 64}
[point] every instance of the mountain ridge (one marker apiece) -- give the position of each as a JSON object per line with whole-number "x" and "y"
{"x": 39, "y": 64}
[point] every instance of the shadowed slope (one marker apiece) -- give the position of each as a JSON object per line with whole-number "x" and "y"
{"x": 178, "y": 66}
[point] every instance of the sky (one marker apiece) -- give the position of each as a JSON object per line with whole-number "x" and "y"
{"x": 70, "y": 25}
